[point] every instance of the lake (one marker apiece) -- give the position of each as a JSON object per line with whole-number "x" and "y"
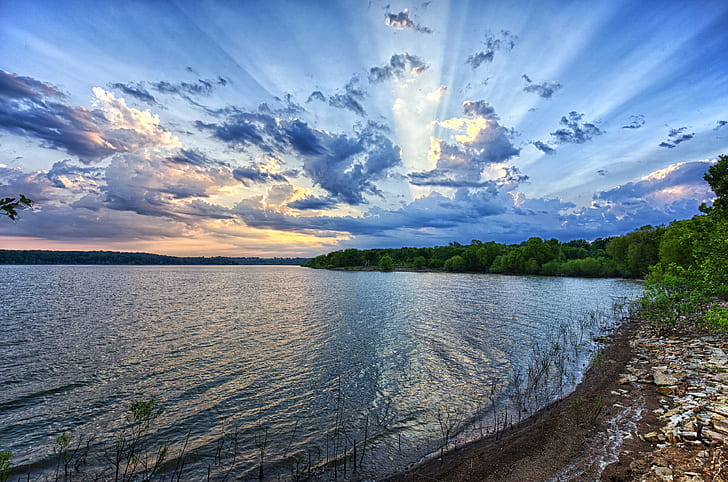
{"x": 292, "y": 365}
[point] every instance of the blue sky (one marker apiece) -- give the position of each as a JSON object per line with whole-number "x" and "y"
{"x": 278, "y": 128}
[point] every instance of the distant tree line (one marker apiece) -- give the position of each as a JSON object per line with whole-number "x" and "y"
{"x": 120, "y": 258}
{"x": 628, "y": 256}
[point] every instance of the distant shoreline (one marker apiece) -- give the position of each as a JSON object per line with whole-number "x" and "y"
{"x": 118, "y": 258}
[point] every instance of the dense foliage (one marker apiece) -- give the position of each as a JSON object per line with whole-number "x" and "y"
{"x": 627, "y": 256}
{"x": 113, "y": 257}
{"x": 690, "y": 280}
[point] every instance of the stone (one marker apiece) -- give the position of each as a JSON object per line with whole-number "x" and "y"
{"x": 652, "y": 437}
{"x": 720, "y": 425}
{"x": 715, "y": 436}
{"x": 719, "y": 408}
{"x": 665, "y": 390}
{"x": 663, "y": 473}
{"x": 663, "y": 379}
{"x": 626, "y": 378}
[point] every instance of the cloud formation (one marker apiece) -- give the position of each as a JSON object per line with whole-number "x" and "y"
{"x": 399, "y": 66}
{"x": 676, "y": 136}
{"x": 574, "y": 131}
{"x": 402, "y": 21}
{"x": 484, "y": 142}
{"x": 544, "y": 89}
{"x": 543, "y": 147}
{"x": 636, "y": 121}
{"x": 30, "y": 108}
{"x": 350, "y": 99}
{"x": 136, "y": 90}
{"x": 344, "y": 166}
{"x": 200, "y": 87}
{"x": 492, "y": 44}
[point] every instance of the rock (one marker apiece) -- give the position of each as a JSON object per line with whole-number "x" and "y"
{"x": 626, "y": 378}
{"x": 715, "y": 436}
{"x": 720, "y": 425}
{"x": 663, "y": 379}
{"x": 665, "y": 390}
{"x": 719, "y": 408}
{"x": 652, "y": 437}
{"x": 663, "y": 473}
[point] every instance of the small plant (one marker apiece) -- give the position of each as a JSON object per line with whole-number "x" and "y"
{"x": 717, "y": 317}
{"x": 597, "y": 358}
{"x": 6, "y": 463}
{"x": 61, "y": 449}
{"x": 132, "y": 456}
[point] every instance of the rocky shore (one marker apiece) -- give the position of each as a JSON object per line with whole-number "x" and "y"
{"x": 655, "y": 408}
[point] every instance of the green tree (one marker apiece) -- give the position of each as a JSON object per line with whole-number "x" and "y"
{"x": 9, "y": 206}
{"x": 386, "y": 263}
{"x": 717, "y": 177}
{"x": 455, "y": 263}
{"x": 419, "y": 262}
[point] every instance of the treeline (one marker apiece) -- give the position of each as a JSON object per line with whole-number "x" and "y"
{"x": 121, "y": 258}
{"x": 628, "y": 256}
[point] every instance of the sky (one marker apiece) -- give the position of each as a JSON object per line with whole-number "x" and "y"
{"x": 291, "y": 128}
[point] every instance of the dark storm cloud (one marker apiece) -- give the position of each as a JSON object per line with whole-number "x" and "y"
{"x": 675, "y": 137}
{"x": 492, "y": 44}
{"x": 313, "y": 203}
{"x": 402, "y": 21}
{"x": 29, "y": 108}
{"x": 135, "y": 90}
{"x": 345, "y": 166}
{"x": 431, "y": 211}
{"x": 249, "y": 174}
{"x": 543, "y": 147}
{"x": 399, "y": 66}
{"x": 636, "y": 121}
{"x": 574, "y": 131}
{"x": 18, "y": 87}
{"x": 193, "y": 157}
{"x": 544, "y": 89}
{"x": 349, "y": 99}
{"x": 242, "y": 130}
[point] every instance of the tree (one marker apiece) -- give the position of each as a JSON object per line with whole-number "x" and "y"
{"x": 9, "y": 206}
{"x": 419, "y": 262}
{"x": 717, "y": 177}
{"x": 455, "y": 263}
{"x": 386, "y": 263}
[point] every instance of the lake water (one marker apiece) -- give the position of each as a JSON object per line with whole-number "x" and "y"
{"x": 298, "y": 364}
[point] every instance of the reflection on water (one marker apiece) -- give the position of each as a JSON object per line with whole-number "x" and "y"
{"x": 317, "y": 360}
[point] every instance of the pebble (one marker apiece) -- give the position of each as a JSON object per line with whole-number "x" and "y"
{"x": 691, "y": 375}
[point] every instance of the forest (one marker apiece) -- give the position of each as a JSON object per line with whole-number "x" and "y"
{"x": 113, "y": 257}
{"x": 628, "y": 256}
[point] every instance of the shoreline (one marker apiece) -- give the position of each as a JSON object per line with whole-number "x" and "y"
{"x": 541, "y": 446}
{"x": 616, "y": 424}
